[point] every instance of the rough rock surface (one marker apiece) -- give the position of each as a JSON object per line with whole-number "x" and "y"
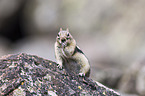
{"x": 29, "y": 75}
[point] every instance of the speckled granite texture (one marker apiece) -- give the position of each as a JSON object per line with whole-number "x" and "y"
{"x": 30, "y": 75}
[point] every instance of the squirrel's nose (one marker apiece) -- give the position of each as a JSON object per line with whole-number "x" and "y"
{"x": 63, "y": 40}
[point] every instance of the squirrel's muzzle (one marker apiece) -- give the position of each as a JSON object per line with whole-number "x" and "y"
{"x": 63, "y": 40}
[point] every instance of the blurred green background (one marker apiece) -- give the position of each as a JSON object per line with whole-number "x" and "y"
{"x": 110, "y": 32}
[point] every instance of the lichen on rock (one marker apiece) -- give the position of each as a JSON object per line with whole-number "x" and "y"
{"x": 24, "y": 74}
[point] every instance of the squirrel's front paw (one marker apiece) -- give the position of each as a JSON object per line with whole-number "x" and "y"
{"x": 82, "y": 74}
{"x": 59, "y": 66}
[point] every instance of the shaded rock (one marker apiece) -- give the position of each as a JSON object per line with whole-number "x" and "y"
{"x": 109, "y": 77}
{"x": 133, "y": 80}
{"x": 140, "y": 82}
{"x": 11, "y": 19}
{"x": 24, "y": 74}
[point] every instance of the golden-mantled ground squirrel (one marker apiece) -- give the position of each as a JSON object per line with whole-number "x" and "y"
{"x": 69, "y": 56}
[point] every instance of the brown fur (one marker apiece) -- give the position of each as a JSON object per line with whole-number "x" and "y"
{"x": 69, "y": 55}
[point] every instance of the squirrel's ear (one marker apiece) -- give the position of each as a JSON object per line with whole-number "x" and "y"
{"x": 60, "y": 29}
{"x": 67, "y": 29}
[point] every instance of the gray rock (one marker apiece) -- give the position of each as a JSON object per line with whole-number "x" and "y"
{"x": 24, "y": 74}
{"x": 133, "y": 79}
{"x": 109, "y": 77}
{"x": 140, "y": 82}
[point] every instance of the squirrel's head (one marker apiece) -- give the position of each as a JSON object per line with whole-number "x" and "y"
{"x": 64, "y": 38}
